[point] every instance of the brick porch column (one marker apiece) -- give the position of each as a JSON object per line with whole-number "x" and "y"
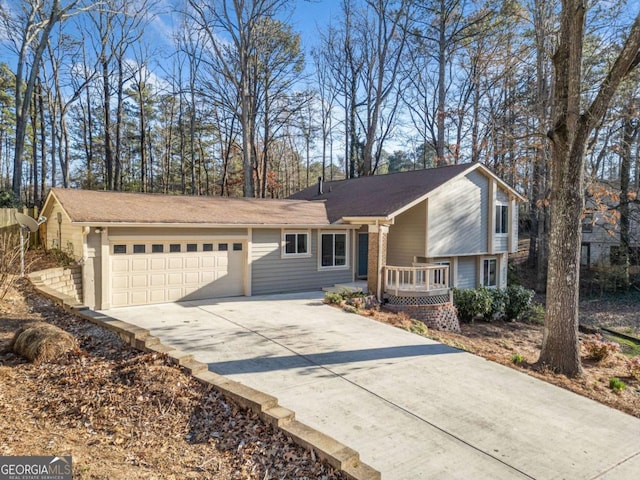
{"x": 377, "y": 258}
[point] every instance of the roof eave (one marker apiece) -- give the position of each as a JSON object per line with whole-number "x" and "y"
{"x": 199, "y": 225}
{"x": 367, "y": 220}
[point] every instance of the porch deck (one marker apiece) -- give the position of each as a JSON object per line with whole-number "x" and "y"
{"x": 419, "y": 280}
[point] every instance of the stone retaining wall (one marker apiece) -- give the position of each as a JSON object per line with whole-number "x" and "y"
{"x": 66, "y": 280}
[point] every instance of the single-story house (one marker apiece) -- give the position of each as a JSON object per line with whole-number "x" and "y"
{"x": 420, "y": 231}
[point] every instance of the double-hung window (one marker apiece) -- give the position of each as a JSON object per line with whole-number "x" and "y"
{"x": 295, "y": 244}
{"x": 502, "y": 219}
{"x": 333, "y": 250}
{"x": 490, "y": 272}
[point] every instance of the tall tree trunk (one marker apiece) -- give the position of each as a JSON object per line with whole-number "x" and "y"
{"x": 629, "y": 135}
{"x": 43, "y": 149}
{"x": 117, "y": 153}
{"x": 108, "y": 143}
{"x": 569, "y": 136}
{"x": 23, "y": 99}
{"x": 143, "y": 141}
{"x": 442, "y": 93}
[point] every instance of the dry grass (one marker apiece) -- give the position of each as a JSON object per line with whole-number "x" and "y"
{"x": 42, "y": 342}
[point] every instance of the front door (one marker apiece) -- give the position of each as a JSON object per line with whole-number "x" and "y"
{"x": 363, "y": 254}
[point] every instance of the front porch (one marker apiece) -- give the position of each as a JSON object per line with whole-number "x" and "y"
{"x": 418, "y": 280}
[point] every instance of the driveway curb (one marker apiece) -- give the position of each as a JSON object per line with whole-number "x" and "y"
{"x": 336, "y": 454}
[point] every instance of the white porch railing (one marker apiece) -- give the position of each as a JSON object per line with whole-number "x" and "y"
{"x": 419, "y": 278}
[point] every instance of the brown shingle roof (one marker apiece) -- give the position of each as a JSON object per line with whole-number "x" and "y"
{"x": 379, "y": 195}
{"x": 100, "y": 207}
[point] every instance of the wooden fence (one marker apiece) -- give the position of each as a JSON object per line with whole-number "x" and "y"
{"x": 8, "y": 222}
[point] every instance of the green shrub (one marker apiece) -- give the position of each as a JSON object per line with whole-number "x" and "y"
{"x": 499, "y": 299}
{"x": 535, "y": 314}
{"x": 517, "y": 358}
{"x": 333, "y": 298}
{"x": 8, "y": 200}
{"x": 518, "y": 301}
{"x": 598, "y": 348}
{"x": 616, "y": 384}
{"x": 472, "y": 303}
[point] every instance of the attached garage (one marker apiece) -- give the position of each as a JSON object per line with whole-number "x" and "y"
{"x": 159, "y": 272}
{"x": 141, "y": 249}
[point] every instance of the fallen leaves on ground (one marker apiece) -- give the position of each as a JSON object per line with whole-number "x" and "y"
{"x": 126, "y": 414}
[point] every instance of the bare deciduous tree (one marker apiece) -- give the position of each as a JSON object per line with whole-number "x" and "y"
{"x": 569, "y": 135}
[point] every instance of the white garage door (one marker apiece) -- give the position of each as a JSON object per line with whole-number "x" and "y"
{"x": 158, "y": 272}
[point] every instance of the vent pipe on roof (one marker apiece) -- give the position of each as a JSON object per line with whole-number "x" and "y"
{"x": 320, "y": 192}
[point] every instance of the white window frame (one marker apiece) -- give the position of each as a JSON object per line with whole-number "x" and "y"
{"x": 483, "y": 271}
{"x": 283, "y": 244}
{"x": 499, "y": 226}
{"x": 346, "y": 248}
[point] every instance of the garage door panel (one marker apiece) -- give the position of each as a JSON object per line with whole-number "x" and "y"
{"x": 208, "y": 262}
{"x": 207, "y": 277}
{"x": 158, "y": 263}
{"x": 192, "y": 278}
{"x": 139, "y": 297}
{"x": 119, "y": 299}
{"x": 139, "y": 279}
{"x": 120, "y": 282}
{"x": 119, "y": 265}
{"x": 174, "y": 263}
{"x": 157, "y": 296}
{"x": 174, "y": 294}
{"x": 139, "y": 265}
{"x": 191, "y": 262}
{"x": 157, "y": 280}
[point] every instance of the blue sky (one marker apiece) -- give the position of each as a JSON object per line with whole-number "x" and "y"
{"x": 311, "y": 15}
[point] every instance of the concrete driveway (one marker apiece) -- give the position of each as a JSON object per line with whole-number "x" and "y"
{"x": 413, "y": 408}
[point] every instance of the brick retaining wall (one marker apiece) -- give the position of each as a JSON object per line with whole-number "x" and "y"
{"x": 443, "y": 316}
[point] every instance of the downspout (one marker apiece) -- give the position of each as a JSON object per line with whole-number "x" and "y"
{"x": 379, "y": 286}
{"x": 83, "y": 261}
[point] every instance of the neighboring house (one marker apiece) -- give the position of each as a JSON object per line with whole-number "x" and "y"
{"x": 426, "y": 230}
{"x": 601, "y": 230}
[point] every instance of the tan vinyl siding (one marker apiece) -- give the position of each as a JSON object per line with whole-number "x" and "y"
{"x": 270, "y": 273}
{"x": 63, "y": 235}
{"x": 467, "y": 273}
{"x": 92, "y": 271}
{"x": 407, "y": 236}
{"x": 458, "y": 217}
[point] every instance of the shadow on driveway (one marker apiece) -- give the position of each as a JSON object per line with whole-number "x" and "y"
{"x": 269, "y": 364}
